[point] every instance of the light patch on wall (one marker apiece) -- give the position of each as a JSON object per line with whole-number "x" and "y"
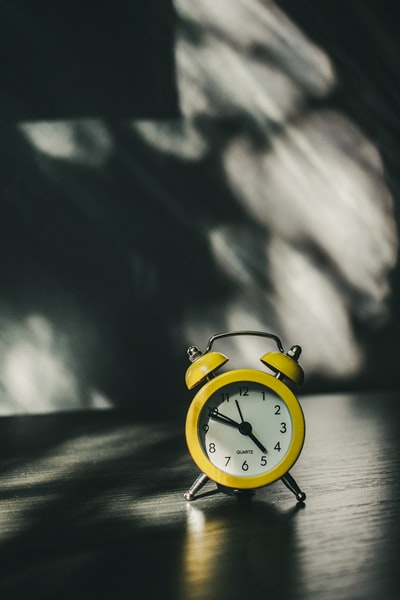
{"x": 231, "y": 246}
{"x": 207, "y": 86}
{"x": 311, "y": 308}
{"x": 252, "y": 27}
{"x": 321, "y": 184}
{"x": 40, "y": 368}
{"x": 35, "y": 373}
{"x": 177, "y": 138}
{"x": 318, "y": 241}
{"x": 99, "y": 400}
{"x": 247, "y": 59}
{"x": 85, "y": 142}
{"x": 319, "y": 194}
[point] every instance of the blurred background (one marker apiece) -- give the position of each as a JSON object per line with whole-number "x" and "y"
{"x": 170, "y": 170}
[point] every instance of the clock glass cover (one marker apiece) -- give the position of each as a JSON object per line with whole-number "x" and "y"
{"x": 245, "y": 429}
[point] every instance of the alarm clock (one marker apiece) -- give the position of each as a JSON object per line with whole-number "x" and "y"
{"x": 245, "y": 427}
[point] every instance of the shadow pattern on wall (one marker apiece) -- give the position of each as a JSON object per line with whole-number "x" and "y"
{"x": 269, "y": 204}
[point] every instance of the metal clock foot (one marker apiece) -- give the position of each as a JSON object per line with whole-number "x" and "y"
{"x": 291, "y": 484}
{"x": 196, "y": 486}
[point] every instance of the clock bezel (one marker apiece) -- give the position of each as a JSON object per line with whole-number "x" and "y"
{"x": 192, "y": 428}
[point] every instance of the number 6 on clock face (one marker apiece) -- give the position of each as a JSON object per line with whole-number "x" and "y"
{"x": 245, "y": 429}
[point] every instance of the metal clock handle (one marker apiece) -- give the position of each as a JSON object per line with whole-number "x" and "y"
{"x": 294, "y": 352}
{"x": 225, "y": 334}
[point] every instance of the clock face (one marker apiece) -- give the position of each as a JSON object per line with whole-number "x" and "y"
{"x": 245, "y": 428}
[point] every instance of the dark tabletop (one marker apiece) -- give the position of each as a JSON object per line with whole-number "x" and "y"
{"x": 91, "y": 506}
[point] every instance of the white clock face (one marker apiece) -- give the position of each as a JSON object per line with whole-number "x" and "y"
{"x": 245, "y": 429}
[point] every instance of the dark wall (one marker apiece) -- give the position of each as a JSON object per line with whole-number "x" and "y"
{"x": 71, "y": 59}
{"x": 123, "y": 236}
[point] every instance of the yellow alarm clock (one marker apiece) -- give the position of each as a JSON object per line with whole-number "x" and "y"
{"x": 245, "y": 427}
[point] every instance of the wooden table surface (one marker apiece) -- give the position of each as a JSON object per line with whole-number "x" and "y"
{"x": 91, "y": 506}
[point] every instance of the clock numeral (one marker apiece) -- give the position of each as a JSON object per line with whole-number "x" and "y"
{"x": 212, "y": 410}
{"x": 211, "y": 448}
{"x": 277, "y": 446}
{"x": 244, "y": 391}
{"x": 263, "y": 461}
{"x": 205, "y": 428}
{"x": 245, "y": 466}
{"x": 228, "y": 458}
{"x": 224, "y": 396}
{"x": 277, "y": 409}
{"x": 283, "y": 428}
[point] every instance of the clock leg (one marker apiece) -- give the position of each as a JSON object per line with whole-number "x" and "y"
{"x": 196, "y": 486}
{"x": 293, "y": 487}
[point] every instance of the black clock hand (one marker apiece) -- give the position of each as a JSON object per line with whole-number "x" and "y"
{"x": 246, "y": 429}
{"x": 217, "y": 416}
{"x": 240, "y": 412}
{"x": 256, "y": 441}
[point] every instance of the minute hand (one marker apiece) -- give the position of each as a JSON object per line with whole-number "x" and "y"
{"x": 217, "y": 416}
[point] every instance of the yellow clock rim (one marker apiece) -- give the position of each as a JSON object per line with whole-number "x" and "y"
{"x": 192, "y": 434}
